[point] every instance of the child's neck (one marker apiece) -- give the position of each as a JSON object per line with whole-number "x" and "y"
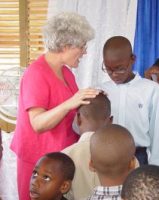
{"x": 59, "y": 197}
{"x": 109, "y": 182}
{"x": 90, "y": 127}
{"x": 87, "y": 129}
{"x": 131, "y": 77}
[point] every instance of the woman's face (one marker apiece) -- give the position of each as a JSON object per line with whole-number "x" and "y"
{"x": 72, "y": 55}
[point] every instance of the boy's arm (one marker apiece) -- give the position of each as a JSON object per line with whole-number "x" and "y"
{"x": 154, "y": 128}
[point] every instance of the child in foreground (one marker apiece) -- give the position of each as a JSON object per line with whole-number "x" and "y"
{"x": 52, "y": 177}
{"x": 141, "y": 184}
{"x": 112, "y": 151}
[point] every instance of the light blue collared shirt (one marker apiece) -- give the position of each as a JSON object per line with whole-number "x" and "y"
{"x": 135, "y": 105}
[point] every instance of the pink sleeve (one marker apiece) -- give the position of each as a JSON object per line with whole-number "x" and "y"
{"x": 34, "y": 89}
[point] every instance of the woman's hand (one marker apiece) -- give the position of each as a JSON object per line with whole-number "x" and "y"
{"x": 81, "y": 98}
{"x": 43, "y": 120}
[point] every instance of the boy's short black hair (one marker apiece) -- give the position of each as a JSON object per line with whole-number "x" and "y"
{"x": 142, "y": 183}
{"x": 99, "y": 107}
{"x": 67, "y": 166}
{"x": 116, "y": 42}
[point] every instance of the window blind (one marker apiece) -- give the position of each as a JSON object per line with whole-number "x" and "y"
{"x": 9, "y": 34}
{"x": 21, "y": 24}
{"x": 37, "y": 11}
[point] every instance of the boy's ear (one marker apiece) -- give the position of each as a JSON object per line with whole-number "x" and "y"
{"x": 91, "y": 166}
{"x": 109, "y": 120}
{"x": 78, "y": 119}
{"x": 133, "y": 163}
{"x": 136, "y": 163}
{"x": 66, "y": 186}
{"x": 133, "y": 58}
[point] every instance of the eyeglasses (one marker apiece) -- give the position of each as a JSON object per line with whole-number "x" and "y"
{"x": 121, "y": 70}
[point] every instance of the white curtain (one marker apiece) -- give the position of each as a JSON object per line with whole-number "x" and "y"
{"x": 108, "y": 18}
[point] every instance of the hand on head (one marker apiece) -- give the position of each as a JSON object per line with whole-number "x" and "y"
{"x": 80, "y": 98}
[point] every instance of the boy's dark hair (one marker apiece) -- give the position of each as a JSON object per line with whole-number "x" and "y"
{"x": 99, "y": 107}
{"x": 156, "y": 62}
{"x": 142, "y": 183}
{"x": 117, "y": 42}
{"x": 67, "y": 166}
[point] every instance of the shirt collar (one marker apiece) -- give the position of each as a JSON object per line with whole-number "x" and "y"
{"x": 86, "y": 136}
{"x": 108, "y": 191}
{"x": 136, "y": 78}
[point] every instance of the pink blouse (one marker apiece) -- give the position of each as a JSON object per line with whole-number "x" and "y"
{"x": 40, "y": 87}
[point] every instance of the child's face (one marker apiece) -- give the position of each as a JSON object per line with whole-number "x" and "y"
{"x": 46, "y": 181}
{"x": 119, "y": 70}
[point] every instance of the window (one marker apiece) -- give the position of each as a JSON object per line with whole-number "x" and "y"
{"x": 9, "y": 34}
{"x": 20, "y": 43}
{"x": 20, "y": 23}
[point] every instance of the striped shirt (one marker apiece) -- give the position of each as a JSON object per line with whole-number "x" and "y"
{"x": 106, "y": 193}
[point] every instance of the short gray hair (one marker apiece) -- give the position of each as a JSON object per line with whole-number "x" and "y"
{"x": 67, "y": 28}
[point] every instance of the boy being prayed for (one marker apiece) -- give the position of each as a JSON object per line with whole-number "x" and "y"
{"x": 89, "y": 118}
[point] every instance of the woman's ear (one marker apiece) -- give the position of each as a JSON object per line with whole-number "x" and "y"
{"x": 91, "y": 166}
{"x": 66, "y": 186}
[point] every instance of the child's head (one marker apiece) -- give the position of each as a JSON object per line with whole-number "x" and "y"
{"x": 142, "y": 184}
{"x": 92, "y": 116}
{"x": 152, "y": 73}
{"x": 118, "y": 59}
{"x": 112, "y": 153}
{"x": 52, "y": 177}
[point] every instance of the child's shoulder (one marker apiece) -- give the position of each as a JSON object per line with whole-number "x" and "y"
{"x": 148, "y": 83}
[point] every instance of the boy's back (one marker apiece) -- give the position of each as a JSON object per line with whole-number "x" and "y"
{"x": 84, "y": 180}
{"x": 112, "y": 151}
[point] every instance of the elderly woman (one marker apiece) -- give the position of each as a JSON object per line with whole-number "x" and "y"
{"x": 49, "y": 96}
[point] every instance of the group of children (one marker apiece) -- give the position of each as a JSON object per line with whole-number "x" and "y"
{"x": 108, "y": 150}
{"x": 111, "y": 159}
{"x": 106, "y": 153}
